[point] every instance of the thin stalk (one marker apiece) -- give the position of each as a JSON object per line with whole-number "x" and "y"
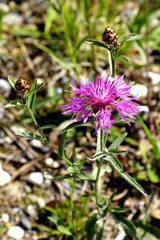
{"x": 112, "y": 64}
{"x": 100, "y": 145}
{"x": 72, "y": 186}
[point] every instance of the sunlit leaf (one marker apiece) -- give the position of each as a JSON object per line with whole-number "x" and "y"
{"x": 11, "y": 81}
{"x": 30, "y": 135}
{"x": 131, "y": 181}
{"x": 115, "y": 163}
{"x": 99, "y": 44}
{"x": 46, "y": 127}
{"x": 33, "y": 90}
{"x": 117, "y": 141}
{"x": 13, "y": 104}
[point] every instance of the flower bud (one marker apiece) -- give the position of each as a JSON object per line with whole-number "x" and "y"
{"x": 110, "y": 37}
{"x": 22, "y": 86}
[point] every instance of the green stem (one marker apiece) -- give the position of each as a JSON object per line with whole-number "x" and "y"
{"x": 100, "y": 145}
{"x": 72, "y": 186}
{"x": 112, "y": 64}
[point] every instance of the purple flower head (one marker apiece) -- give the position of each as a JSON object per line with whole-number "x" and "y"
{"x": 101, "y": 99}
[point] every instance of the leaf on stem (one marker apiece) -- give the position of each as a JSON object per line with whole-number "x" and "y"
{"x": 31, "y": 92}
{"x": 13, "y": 104}
{"x": 117, "y": 142}
{"x": 115, "y": 163}
{"x": 11, "y": 81}
{"x": 77, "y": 124}
{"x": 126, "y": 37}
{"x": 131, "y": 181}
{"x": 61, "y": 146}
{"x": 97, "y": 43}
{"x": 46, "y": 127}
{"x": 127, "y": 225}
{"x": 30, "y": 135}
{"x": 31, "y": 98}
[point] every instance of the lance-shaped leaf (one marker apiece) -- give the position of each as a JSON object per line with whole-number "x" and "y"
{"x": 97, "y": 43}
{"x": 33, "y": 90}
{"x": 46, "y": 127}
{"x": 81, "y": 175}
{"x": 127, "y": 225}
{"x": 115, "y": 151}
{"x": 126, "y": 37}
{"x": 115, "y": 163}
{"x": 11, "y": 81}
{"x": 117, "y": 141}
{"x": 61, "y": 147}
{"x": 131, "y": 181}
{"x": 30, "y": 135}
{"x": 98, "y": 156}
{"x": 13, "y": 104}
{"x": 31, "y": 98}
{"x": 77, "y": 124}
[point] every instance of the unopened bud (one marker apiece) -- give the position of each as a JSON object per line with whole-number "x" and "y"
{"x": 110, "y": 37}
{"x": 22, "y": 86}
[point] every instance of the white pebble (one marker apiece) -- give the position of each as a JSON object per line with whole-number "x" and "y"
{"x": 5, "y": 177}
{"x": 139, "y": 90}
{"x": 36, "y": 177}
{"x": 36, "y": 143}
{"x": 16, "y": 232}
{"x": 5, "y": 217}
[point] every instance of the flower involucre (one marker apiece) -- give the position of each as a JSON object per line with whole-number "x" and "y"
{"x": 101, "y": 98}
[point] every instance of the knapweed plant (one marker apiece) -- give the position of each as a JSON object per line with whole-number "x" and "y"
{"x": 104, "y": 101}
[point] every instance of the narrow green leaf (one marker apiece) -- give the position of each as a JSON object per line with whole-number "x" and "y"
{"x": 33, "y": 90}
{"x": 153, "y": 176}
{"x": 27, "y": 32}
{"x": 13, "y": 104}
{"x": 98, "y": 156}
{"x": 61, "y": 145}
{"x": 53, "y": 56}
{"x": 127, "y": 225}
{"x": 60, "y": 225}
{"x": 91, "y": 226}
{"x": 31, "y": 98}
{"x": 123, "y": 59}
{"x": 117, "y": 141}
{"x": 49, "y": 175}
{"x": 97, "y": 43}
{"x": 148, "y": 228}
{"x": 46, "y": 127}
{"x": 115, "y": 163}
{"x": 77, "y": 124}
{"x": 81, "y": 162}
{"x": 30, "y": 135}
{"x": 11, "y": 81}
{"x": 116, "y": 151}
{"x": 117, "y": 209}
{"x": 131, "y": 181}
{"x": 126, "y": 37}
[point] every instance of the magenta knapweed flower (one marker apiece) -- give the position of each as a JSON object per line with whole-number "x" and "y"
{"x": 100, "y": 99}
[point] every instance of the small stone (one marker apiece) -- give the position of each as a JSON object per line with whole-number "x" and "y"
{"x": 36, "y": 143}
{"x": 31, "y": 210}
{"x": 5, "y": 87}
{"x": 5, "y": 217}
{"x": 139, "y": 90}
{"x": 5, "y": 177}
{"x": 51, "y": 163}
{"x": 36, "y": 177}
{"x": 16, "y": 232}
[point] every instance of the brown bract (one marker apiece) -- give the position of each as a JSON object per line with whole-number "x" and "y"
{"x": 22, "y": 86}
{"x": 110, "y": 37}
